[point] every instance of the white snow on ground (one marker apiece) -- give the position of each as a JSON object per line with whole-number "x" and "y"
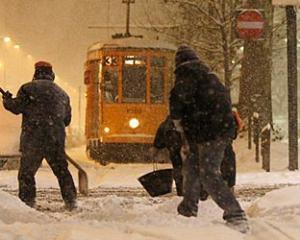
{"x": 14, "y": 210}
{"x": 282, "y": 202}
{"x": 276, "y": 215}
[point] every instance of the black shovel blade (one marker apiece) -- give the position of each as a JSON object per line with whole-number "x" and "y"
{"x": 158, "y": 182}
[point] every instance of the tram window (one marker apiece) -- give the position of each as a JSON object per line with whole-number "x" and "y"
{"x": 157, "y": 61}
{"x": 134, "y": 60}
{"x": 157, "y": 86}
{"x": 110, "y": 76}
{"x": 157, "y": 79}
{"x": 134, "y": 84}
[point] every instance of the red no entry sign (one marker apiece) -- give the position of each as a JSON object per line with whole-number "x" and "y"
{"x": 250, "y": 24}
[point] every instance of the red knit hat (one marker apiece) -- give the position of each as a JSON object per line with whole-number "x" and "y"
{"x": 43, "y": 70}
{"x": 42, "y": 64}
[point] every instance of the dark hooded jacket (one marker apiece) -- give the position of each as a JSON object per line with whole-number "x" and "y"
{"x": 167, "y": 137}
{"x": 202, "y": 102}
{"x": 45, "y": 110}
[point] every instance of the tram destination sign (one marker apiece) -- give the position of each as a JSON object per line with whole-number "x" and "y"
{"x": 286, "y": 2}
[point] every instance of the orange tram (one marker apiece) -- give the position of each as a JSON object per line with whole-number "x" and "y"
{"x": 127, "y": 87}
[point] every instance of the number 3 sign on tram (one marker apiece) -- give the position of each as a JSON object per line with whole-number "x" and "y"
{"x": 250, "y": 24}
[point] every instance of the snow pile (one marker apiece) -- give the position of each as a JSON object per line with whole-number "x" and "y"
{"x": 128, "y": 216}
{"x": 268, "y": 178}
{"x": 276, "y": 215}
{"x": 14, "y": 210}
{"x": 96, "y": 231}
{"x": 283, "y": 202}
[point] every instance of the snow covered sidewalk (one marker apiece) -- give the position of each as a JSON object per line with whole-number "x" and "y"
{"x": 113, "y": 215}
{"x": 277, "y": 216}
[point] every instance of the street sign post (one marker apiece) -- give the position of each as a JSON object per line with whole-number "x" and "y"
{"x": 286, "y": 2}
{"x": 291, "y": 15}
{"x": 250, "y": 24}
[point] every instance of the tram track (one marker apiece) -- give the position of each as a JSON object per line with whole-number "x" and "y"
{"x": 54, "y": 193}
{"x": 49, "y": 200}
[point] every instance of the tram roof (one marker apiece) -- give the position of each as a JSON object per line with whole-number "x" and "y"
{"x": 132, "y": 43}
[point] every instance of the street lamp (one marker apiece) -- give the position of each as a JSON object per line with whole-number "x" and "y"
{"x": 6, "y": 39}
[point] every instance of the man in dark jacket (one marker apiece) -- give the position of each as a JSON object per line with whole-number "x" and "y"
{"x": 46, "y": 111}
{"x": 200, "y": 108}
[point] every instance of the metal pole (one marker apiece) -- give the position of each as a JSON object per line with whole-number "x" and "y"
{"x": 127, "y": 19}
{"x": 292, "y": 86}
{"x": 249, "y": 132}
{"x": 79, "y": 109}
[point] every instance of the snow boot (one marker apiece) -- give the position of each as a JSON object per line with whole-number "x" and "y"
{"x": 203, "y": 195}
{"x": 187, "y": 211}
{"x": 70, "y": 205}
{"x": 31, "y": 204}
{"x": 239, "y": 224}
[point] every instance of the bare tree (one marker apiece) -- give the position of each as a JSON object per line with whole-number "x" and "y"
{"x": 209, "y": 27}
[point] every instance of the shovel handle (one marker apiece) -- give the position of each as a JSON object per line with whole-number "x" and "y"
{"x": 75, "y": 164}
{"x": 82, "y": 176}
{"x": 2, "y": 91}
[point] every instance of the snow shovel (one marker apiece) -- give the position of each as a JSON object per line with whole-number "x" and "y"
{"x": 82, "y": 176}
{"x": 158, "y": 182}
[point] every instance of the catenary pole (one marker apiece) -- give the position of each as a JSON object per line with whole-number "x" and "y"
{"x": 292, "y": 86}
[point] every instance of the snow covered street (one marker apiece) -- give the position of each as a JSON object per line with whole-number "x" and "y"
{"x": 118, "y": 208}
{"x": 107, "y": 103}
{"x": 140, "y": 217}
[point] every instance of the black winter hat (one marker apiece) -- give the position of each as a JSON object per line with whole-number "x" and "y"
{"x": 185, "y": 55}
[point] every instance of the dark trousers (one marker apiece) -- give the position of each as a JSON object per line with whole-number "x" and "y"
{"x": 30, "y": 162}
{"x": 228, "y": 169}
{"x": 202, "y": 165}
{"x": 228, "y": 166}
{"x": 173, "y": 144}
{"x": 177, "y": 170}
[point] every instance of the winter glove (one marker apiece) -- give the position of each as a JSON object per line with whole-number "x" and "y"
{"x": 6, "y": 95}
{"x": 178, "y": 126}
{"x": 185, "y": 148}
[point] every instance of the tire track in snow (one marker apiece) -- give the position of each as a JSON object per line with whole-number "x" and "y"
{"x": 49, "y": 200}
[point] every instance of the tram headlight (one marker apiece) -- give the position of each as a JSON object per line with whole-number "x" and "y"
{"x": 106, "y": 129}
{"x": 134, "y": 123}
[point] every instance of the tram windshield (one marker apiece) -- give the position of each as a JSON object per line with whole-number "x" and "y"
{"x": 134, "y": 79}
{"x": 110, "y": 76}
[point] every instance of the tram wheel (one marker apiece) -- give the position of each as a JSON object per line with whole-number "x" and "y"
{"x": 94, "y": 153}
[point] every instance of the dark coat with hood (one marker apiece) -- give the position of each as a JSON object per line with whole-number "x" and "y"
{"x": 45, "y": 110}
{"x": 167, "y": 137}
{"x": 200, "y": 100}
